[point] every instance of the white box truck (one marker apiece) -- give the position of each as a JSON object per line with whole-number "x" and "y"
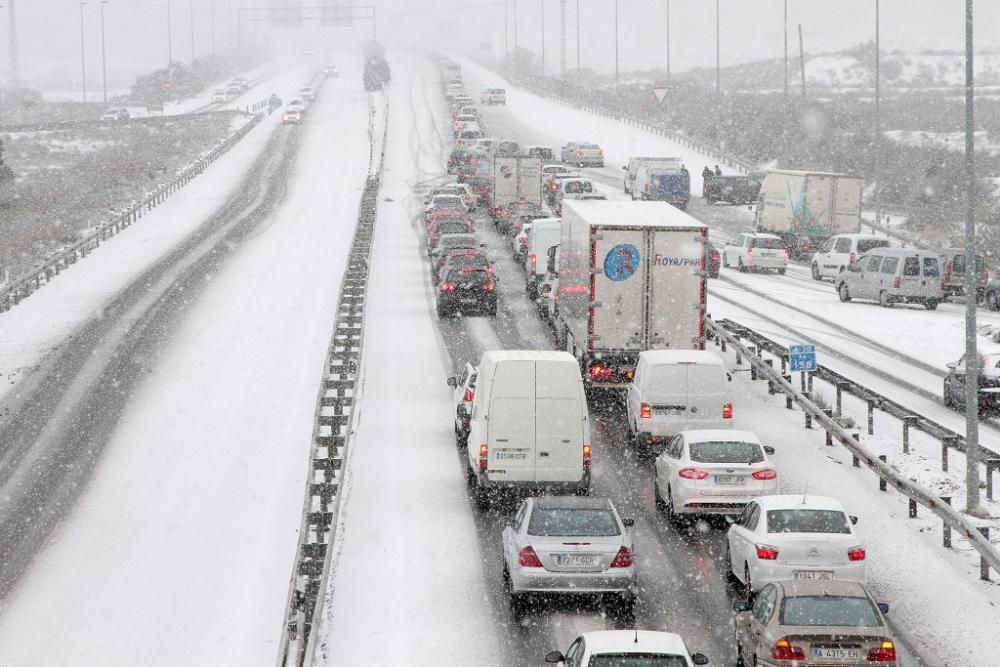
{"x": 806, "y": 208}
{"x": 516, "y": 179}
{"x": 529, "y": 428}
{"x": 632, "y": 168}
{"x": 631, "y": 278}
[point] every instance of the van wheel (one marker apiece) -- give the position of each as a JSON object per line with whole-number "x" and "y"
{"x": 931, "y": 304}
{"x": 815, "y": 272}
{"x": 725, "y": 260}
{"x": 781, "y": 272}
{"x": 582, "y": 490}
{"x": 992, "y": 302}
{"x": 843, "y": 292}
{"x": 884, "y": 299}
{"x": 740, "y": 267}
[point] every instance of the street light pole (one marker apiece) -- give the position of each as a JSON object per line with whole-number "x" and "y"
{"x": 104, "y": 55}
{"x": 718, "y": 60}
{"x": 83, "y": 61}
{"x": 541, "y": 3}
{"x": 668, "y": 43}
{"x": 579, "y": 74}
{"x": 878, "y": 121}
{"x": 213, "y": 28}
{"x": 786, "y": 51}
{"x": 617, "y": 82}
{"x": 972, "y": 505}
{"x": 515, "y": 25}
{"x": 506, "y": 28}
{"x": 192, "y": 30}
{"x": 170, "y": 41}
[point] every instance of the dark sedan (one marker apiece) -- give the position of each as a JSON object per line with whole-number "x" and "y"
{"x": 467, "y": 289}
{"x": 989, "y": 384}
{"x": 731, "y": 189}
{"x": 713, "y": 257}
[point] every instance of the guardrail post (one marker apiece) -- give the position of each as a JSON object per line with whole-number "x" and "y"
{"x": 908, "y": 421}
{"x": 753, "y": 369}
{"x": 809, "y": 377}
{"x": 984, "y": 567}
{"x": 881, "y": 480}
{"x": 946, "y": 533}
{"x": 770, "y": 382}
{"x": 829, "y": 437}
{"x": 872, "y": 404}
{"x": 991, "y": 465}
{"x": 788, "y": 397}
{"x": 913, "y": 508}
{"x": 840, "y": 392}
{"x": 809, "y": 417}
{"x": 784, "y": 366}
{"x": 946, "y": 442}
{"x": 856, "y": 462}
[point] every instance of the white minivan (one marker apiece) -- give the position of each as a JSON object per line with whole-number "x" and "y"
{"x": 529, "y": 427}
{"x": 673, "y": 391}
{"x": 544, "y": 234}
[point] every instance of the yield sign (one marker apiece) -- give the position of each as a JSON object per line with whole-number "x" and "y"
{"x": 660, "y": 92}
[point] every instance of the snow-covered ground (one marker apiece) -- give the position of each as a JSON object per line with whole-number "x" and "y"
{"x": 181, "y": 549}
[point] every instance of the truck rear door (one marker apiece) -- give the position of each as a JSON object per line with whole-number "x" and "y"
{"x": 504, "y": 180}
{"x": 676, "y": 294}
{"x": 511, "y": 423}
{"x": 814, "y": 218}
{"x": 847, "y": 206}
{"x": 618, "y": 311}
{"x": 559, "y": 425}
{"x": 530, "y": 179}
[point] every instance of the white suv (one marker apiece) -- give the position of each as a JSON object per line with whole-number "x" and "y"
{"x": 752, "y": 252}
{"x": 840, "y": 251}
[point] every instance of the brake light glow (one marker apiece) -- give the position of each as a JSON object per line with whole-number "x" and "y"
{"x": 579, "y": 153}
{"x": 600, "y": 372}
{"x": 468, "y": 396}
{"x": 852, "y": 258}
{"x": 528, "y": 558}
{"x": 885, "y": 653}
{"x": 623, "y": 558}
{"x": 785, "y": 650}
{"x": 692, "y": 473}
{"x": 897, "y": 282}
{"x": 765, "y": 474}
{"x": 490, "y": 286}
{"x": 856, "y": 554}
{"x": 534, "y": 262}
{"x": 484, "y": 455}
{"x": 727, "y": 411}
{"x": 786, "y": 254}
{"x": 645, "y": 411}
{"x": 586, "y": 456}
{"x": 765, "y": 552}
{"x": 447, "y": 287}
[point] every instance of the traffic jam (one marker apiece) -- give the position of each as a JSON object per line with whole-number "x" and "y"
{"x": 619, "y": 282}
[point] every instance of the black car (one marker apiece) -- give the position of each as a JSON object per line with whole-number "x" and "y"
{"x": 731, "y": 189}
{"x": 989, "y": 384}
{"x": 515, "y": 214}
{"x": 713, "y": 257}
{"x": 467, "y": 289}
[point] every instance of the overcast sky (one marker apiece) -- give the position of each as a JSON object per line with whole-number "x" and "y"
{"x": 136, "y": 30}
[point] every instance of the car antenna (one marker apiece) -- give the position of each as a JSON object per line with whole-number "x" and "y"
{"x": 636, "y": 635}
{"x": 805, "y": 492}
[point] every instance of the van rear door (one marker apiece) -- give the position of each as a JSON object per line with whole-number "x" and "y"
{"x": 706, "y": 394}
{"x": 617, "y": 315}
{"x": 675, "y": 298}
{"x": 511, "y": 423}
{"x": 559, "y": 422}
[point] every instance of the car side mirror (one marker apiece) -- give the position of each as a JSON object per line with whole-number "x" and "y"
{"x": 768, "y": 449}
{"x": 740, "y": 605}
{"x": 453, "y": 381}
{"x": 854, "y": 520}
{"x": 628, "y": 523}
{"x": 883, "y": 607}
{"x": 699, "y": 658}
{"x": 554, "y": 656}
{"x": 482, "y": 245}
{"x": 625, "y": 168}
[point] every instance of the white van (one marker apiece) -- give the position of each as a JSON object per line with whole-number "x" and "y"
{"x": 894, "y": 275}
{"x": 544, "y": 233}
{"x": 673, "y": 391}
{"x": 840, "y": 251}
{"x": 529, "y": 427}
{"x": 632, "y": 169}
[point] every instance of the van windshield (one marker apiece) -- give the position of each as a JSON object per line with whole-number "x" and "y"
{"x": 864, "y": 245}
{"x": 770, "y": 244}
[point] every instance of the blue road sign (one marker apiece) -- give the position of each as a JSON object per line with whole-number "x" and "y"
{"x": 802, "y": 358}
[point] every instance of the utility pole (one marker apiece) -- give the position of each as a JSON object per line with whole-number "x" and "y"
{"x": 515, "y": 25}
{"x": 786, "y": 51}
{"x": 213, "y": 28}
{"x": 104, "y": 55}
{"x": 972, "y": 454}
{"x": 506, "y": 29}
{"x": 668, "y": 43}
{"x": 191, "y": 6}
{"x": 542, "y": 5}
{"x": 1, "y": 103}
{"x": 617, "y": 80}
{"x": 718, "y": 59}
{"x": 802, "y": 63}
{"x": 15, "y": 74}
{"x": 878, "y": 123}
{"x": 170, "y": 41}
{"x": 562, "y": 39}
{"x": 83, "y": 60}
{"x": 579, "y": 73}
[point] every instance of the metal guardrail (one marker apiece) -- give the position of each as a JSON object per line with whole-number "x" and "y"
{"x": 28, "y": 283}
{"x": 727, "y": 332}
{"x": 336, "y": 410}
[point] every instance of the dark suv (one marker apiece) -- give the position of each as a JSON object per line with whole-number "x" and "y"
{"x": 989, "y": 384}
{"x": 467, "y": 289}
{"x": 731, "y": 189}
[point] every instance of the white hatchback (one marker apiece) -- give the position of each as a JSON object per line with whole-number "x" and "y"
{"x": 713, "y": 472}
{"x": 754, "y": 252}
{"x": 628, "y": 647}
{"x": 800, "y": 537}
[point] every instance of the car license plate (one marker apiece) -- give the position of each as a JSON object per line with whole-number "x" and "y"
{"x": 575, "y": 560}
{"x": 730, "y": 480}
{"x": 812, "y": 574}
{"x": 667, "y": 410}
{"x": 470, "y": 299}
{"x": 836, "y": 653}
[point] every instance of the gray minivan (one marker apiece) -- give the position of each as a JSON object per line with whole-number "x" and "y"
{"x": 894, "y": 275}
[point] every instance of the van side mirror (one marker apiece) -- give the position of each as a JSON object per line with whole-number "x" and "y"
{"x": 628, "y": 523}
{"x": 729, "y": 376}
{"x": 854, "y": 520}
{"x": 554, "y": 656}
{"x": 740, "y": 605}
{"x": 699, "y": 658}
{"x": 453, "y": 381}
{"x": 625, "y": 168}
{"x": 768, "y": 449}
{"x": 883, "y": 607}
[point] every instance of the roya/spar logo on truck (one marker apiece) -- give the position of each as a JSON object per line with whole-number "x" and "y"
{"x": 621, "y": 262}
{"x": 506, "y": 171}
{"x": 660, "y": 260}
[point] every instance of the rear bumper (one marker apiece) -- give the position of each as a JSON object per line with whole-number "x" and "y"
{"x": 532, "y": 487}
{"x": 540, "y": 580}
{"x": 766, "y": 573}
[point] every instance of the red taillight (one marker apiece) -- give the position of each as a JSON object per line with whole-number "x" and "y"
{"x": 692, "y": 473}
{"x": 484, "y": 455}
{"x": 528, "y": 558}
{"x": 447, "y": 287}
{"x": 885, "y": 653}
{"x": 434, "y": 238}
{"x": 727, "y": 411}
{"x": 856, "y": 554}
{"x": 623, "y": 558}
{"x": 468, "y": 396}
{"x": 645, "y": 411}
{"x": 586, "y": 457}
{"x": 765, "y": 552}
{"x": 784, "y": 650}
{"x": 897, "y": 282}
{"x": 947, "y": 274}
{"x": 851, "y": 259}
{"x": 534, "y": 262}
{"x": 750, "y": 252}
{"x": 786, "y": 254}
{"x": 600, "y": 372}
{"x": 765, "y": 474}
{"x": 579, "y": 154}
{"x": 554, "y": 186}
{"x": 490, "y": 286}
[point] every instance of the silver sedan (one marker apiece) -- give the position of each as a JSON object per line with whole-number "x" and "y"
{"x": 566, "y": 545}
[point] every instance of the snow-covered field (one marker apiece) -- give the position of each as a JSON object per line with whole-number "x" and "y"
{"x": 181, "y": 549}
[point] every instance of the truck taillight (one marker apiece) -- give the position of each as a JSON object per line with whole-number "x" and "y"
{"x": 787, "y": 254}
{"x": 484, "y": 455}
{"x": 534, "y": 262}
{"x": 468, "y": 396}
{"x": 645, "y": 411}
{"x": 727, "y": 411}
{"x": 897, "y": 282}
{"x": 586, "y": 457}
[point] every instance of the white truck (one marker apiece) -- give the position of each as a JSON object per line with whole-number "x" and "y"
{"x": 635, "y": 162}
{"x": 631, "y": 278}
{"x": 516, "y": 179}
{"x": 806, "y": 208}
